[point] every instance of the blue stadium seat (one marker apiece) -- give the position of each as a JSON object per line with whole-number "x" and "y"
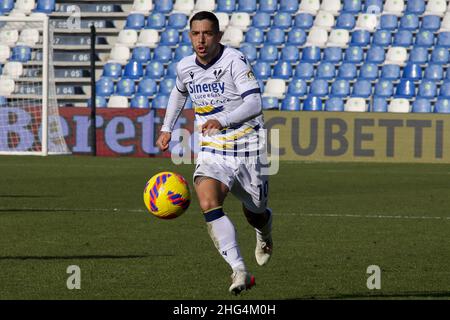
{"x": 379, "y": 105}
{"x": 154, "y": 70}
{"x": 347, "y": 71}
{"x": 384, "y": 88}
{"x": 139, "y": 102}
{"x": 262, "y": 20}
{"x": 415, "y": 6}
{"x": 427, "y": 89}
{"x": 133, "y": 70}
{"x": 267, "y": 6}
{"x": 439, "y": 55}
{"x": 443, "y": 39}
{"x": 418, "y": 55}
{"x": 44, "y": 6}
{"x": 169, "y": 37}
{"x": 282, "y": 20}
{"x": 312, "y": 103}
{"x": 135, "y": 21}
{"x": 409, "y": 22}
{"x": 162, "y": 54}
{"x": 326, "y": 70}
{"x": 382, "y": 38}
{"x": 373, "y": 6}
{"x": 434, "y": 72}
{"x": 390, "y": 72}
{"x": 147, "y": 87}
{"x": 166, "y": 86}
{"x": 304, "y": 70}
{"x": 254, "y": 36}
{"x": 311, "y": 54}
{"x": 112, "y": 70}
{"x": 405, "y": 89}
{"x": 362, "y": 89}
{"x": 290, "y": 6}
{"x": 444, "y": 90}
{"x": 297, "y": 87}
{"x": 319, "y": 88}
{"x": 247, "y": 6}
{"x": 290, "y": 103}
{"x": 104, "y": 86}
{"x": 334, "y": 104}
{"x": 156, "y": 20}
{"x": 177, "y": 21}
{"x": 282, "y": 70}
{"x": 125, "y": 87}
{"x": 388, "y": 22}
{"x": 100, "y": 102}
{"x": 403, "y": 38}
{"x": 421, "y": 106}
{"x": 424, "y": 38}
{"x": 304, "y": 20}
{"x": 354, "y": 54}
{"x": 268, "y": 53}
{"x": 171, "y": 71}
{"x": 275, "y": 36}
{"x": 270, "y": 103}
{"x": 182, "y": 51}
{"x": 228, "y": 6}
{"x": 160, "y": 101}
{"x": 261, "y": 85}
{"x": 345, "y": 21}
{"x": 290, "y": 53}
{"x": 375, "y": 54}
{"x": 21, "y": 53}
{"x": 360, "y": 38}
{"x": 368, "y": 71}
{"x": 249, "y": 51}
{"x": 141, "y": 54}
{"x": 352, "y": 6}
{"x": 163, "y": 6}
{"x": 296, "y": 36}
{"x": 185, "y": 37}
{"x": 6, "y": 6}
{"x": 262, "y": 70}
{"x": 332, "y": 54}
{"x": 430, "y": 23}
{"x": 340, "y": 88}
{"x": 412, "y": 71}
{"x": 442, "y": 106}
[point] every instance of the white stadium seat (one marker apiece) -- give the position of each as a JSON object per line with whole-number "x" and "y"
{"x": 399, "y": 105}
{"x": 310, "y": 6}
{"x": 396, "y": 55}
{"x": 317, "y": 37}
{"x": 127, "y": 37}
{"x": 9, "y": 37}
{"x": 120, "y": 54}
{"x": 240, "y": 20}
{"x": 5, "y": 52}
{"x": 338, "y": 38}
{"x": 324, "y": 20}
{"x": 355, "y": 105}
{"x": 142, "y": 6}
{"x": 13, "y": 69}
{"x": 205, "y": 5}
{"x": 445, "y": 24}
{"x": 275, "y": 88}
{"x": 436, "y": 7}
{"x": 25, "y": 6}
{"x": 232, "y": 36}
{"x": 7, "y": 86}
{"x": 224, "y": 20}
{"x": 395, "y": 7}
{"x": 332, "y": 6}
{"x": 148, "y": 38}
{"x": 29, "y": 37}
{"x": 367, "y": 21}
{"x": 118, "y": 102}
{"x": 183, "y": 6}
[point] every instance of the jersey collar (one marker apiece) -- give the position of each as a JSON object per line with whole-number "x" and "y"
{"x": 213, "y": 61}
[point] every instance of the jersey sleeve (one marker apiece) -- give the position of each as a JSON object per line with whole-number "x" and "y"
{"x": 179, "y": 84}
{"x": 243, "y": 77}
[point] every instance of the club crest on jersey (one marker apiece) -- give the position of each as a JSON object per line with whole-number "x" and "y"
{"x": 218, "y": 73}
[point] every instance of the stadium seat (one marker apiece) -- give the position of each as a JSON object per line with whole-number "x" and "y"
{"x": 403, "y": 38}
{"x": 133, "y": 70}
{"x": 338, "y": 38}
{"x": 169, "y": 37}
{"x": 177, "y": 21}
{"x": 135, "y": 21}
{"x": 367, "y": 21}
{"x": 160, "y": 102}
{"x": 384, "y": 88}
{"x": 100, "y": 102}
{"x": 352, "y": 6}
{"x": 148, "y": 38}
{"x": 156, "y": 20}
{"x": 262, "y": 20}
{"x": 334, "y": 105}
{"x": 147, "y": 87}
{"x": 127, "y": 37}
{"x": 268, "y": 53}
{"x": 290, "y": 53}
{"x": 233, "y": 36}
{"x": 171, "y": 71}
{"x": 25, "y": 6}
{"x": 345, "y": 21}
{"x": 162, "y": 54}
{"x": 182, "y": 51}
{"x": 332, "y": 6}
{"x": 430, "y": 23}
{"x": 312, "y": 103}
{"x": 185, "y": 37}
{"x": 304, "y": 20}
{"x": 282, "y": 20}
{"x": 275, "y": 36}
{"x": 427, "y": 89}
{"x": 304, "y": 70}
{"x": 117, "y": 101}
{"x": 435, "y": 7}
{"x": 362, "y": 89}
{"x": 409, "y": 22}
{"x": 262, "y": 70}
{"x": 418, "y": 55}
{"x": 434, "y": 72}
{"x": 228, "y": 6}
{"x": 282, "y": 70}
{"x": 396, "y": 55}
{"x": 311, "y": 6}
{"x": 317, "y": 37}
{"x": 28, "y": 37}
{"x": 154, "y": 70}
{"x": 355, "y": 105}
{"x": 249, "y": 51}
{"x": 261, "y": 85}
{"x": 332, "y": 54}
{"x": 267, "y": 6}
{"x": 415, "y": 7}
{"x": 290, "y": 6}
{"x": 390, "y": 72}
{"x": 319, "y": 88}
{"x": 382, "y": 38}
{"x": 240, "y": 20}
{"x": 6, "y": 6}
{"x": 166, "y": 86}
{"x": 442, "y": 106}
{"x": 9, "y": 37}
{"x": 275, "y": 88}
{"x": 296, "y": 36}
{"x": 112, "y": 70}
{"x": 379, "y": 105}
{"x": 183, "y": 6}
{"x": 444, "y": 90}
{"x": 445, "y": 25}
{"x": 142, "y": 6}
{"x": 205, "y": 5}
{"x": 139, "y": 102}
{"x": 421, "y": 106}
{"x": 7, "y": 86}
{"x": 311, "y": 54}
{"x": 297, "y": 87}
{"x": 368, "y": 71}
{"x": 347, "y": 71}
{"x": 125, "y": 87}
{"x": 412, "y": 71}
{"x": 424, "y": 38}
{"x": 405, "y": 89}
{"x": 13, "y": 69}
{"x": 44, "y": 6}
{"x": 360, "y": 38}
{"x": 340, "y": 88}
{"x": 395, "y": 7}
{"x": 104, "y": 86}
{"x": 399, "y": 105}
{"x": 246, "y": 6}
{"x": 254, "y": 36}
{"x": 326, "y": 70}
{"x": 270, "y": 103}
{"x": 439, "y": 55}
{"x": 290, "y": 103}
{"x": 373, "y": 6}
{"x": 388, "y": 22}
{"x": 354, "y": 54}
{"x": 324, "y": 20}
{"x": 141, "y": 54}
{"x": 21, "y": 53}
{"x": 443, "y": 39}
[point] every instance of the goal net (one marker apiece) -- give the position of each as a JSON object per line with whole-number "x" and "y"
{"x": 29, "y": 117}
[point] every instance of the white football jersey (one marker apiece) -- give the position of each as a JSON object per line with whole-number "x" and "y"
{"x": 217, "y": 89}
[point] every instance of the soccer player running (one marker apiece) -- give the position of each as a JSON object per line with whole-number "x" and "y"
{"x": 228, "y": 110}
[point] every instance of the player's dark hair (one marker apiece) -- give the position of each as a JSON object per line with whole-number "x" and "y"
{"x": 206, "y": 15}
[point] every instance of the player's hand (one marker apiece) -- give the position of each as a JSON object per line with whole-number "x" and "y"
{"x": 211, "y": 127}
{"x": 163, "y": 140}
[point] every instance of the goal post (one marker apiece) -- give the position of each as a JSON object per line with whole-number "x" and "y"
{"x": 29, "y": 117}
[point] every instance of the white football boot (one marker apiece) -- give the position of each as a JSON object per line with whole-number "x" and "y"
{"x": 241, "y": 280}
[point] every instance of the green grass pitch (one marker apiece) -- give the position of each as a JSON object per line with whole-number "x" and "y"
{"x": 331, "y": 221}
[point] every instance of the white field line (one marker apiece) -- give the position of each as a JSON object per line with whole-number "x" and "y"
{"x": 330, "y": 215}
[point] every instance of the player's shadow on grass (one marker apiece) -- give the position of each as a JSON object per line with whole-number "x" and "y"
{"x": 83, "y": 257}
